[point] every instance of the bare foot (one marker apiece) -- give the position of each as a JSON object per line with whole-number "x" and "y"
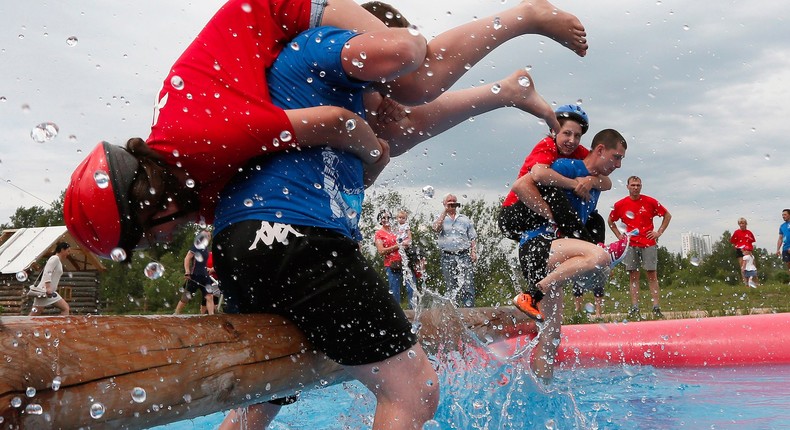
{"x": 523, "y": 95}
{"x": 544, "y": 18}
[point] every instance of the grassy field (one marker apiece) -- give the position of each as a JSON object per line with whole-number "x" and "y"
{"x": 712, "y": 299}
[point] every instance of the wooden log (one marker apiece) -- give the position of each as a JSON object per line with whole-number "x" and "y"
{"x": 188, "y": 366}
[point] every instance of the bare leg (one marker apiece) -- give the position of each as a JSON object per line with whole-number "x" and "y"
{"x": 448, "y": 56}
{"x": 634, "y": 282}
{"x": 180, "y": 307}
{"x": 253, "y": 417}
{"x": 209, "y": 304}
{"x": 406, "y": 389}
{"x": 652, "y": 280}
{"x": 63, "y": 306}
{"x": 598, "y": 307}
{"x": 570, "y": 259}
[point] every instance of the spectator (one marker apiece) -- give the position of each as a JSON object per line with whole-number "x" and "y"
{"x": 749, "y": 269}
{"x": 388, "y": 246}
{"x": 742, "y": 239}
{"x": 457, "y": 243}
{"x": 196, "y": 277}
{"x": 783, "y": 244}
{"x": 50, "y": 278}
{"x": 637, "y": 212}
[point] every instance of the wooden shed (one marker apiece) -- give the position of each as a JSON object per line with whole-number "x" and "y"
{"x": 23, "y": 253}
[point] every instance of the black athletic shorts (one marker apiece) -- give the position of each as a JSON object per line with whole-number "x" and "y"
{"x": 318, "y": 279}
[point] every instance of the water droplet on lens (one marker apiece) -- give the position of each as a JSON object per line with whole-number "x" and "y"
{"x": 118, "y": 254}
{"x": 102, "y": 179}
{"x": 202, "y": 240}
{"x": 97, "y": 410}
{"x": 154, "y": 270}
{"x": 427, "y": 192}
{"x": 294, "y": 46}
{"x": 496, "y": 88}
{"x": 413, "y": 30}
{"x": 629, "y": 214}
{"x": 16, "y": 402}
{"x": 138, "y": 394}
{"x": 21, "y": 276}
{"x": 524, "y": 81}
{"x": 177, "y": 82}
{"x": 190, "y": 183}
{"x": 56, "y": 382}
{"x": 375, "y": 153}
{"x": 30, "y": 392}
{"x": 286, "y": 136}
{"x": 44, "y": 132}
{"x": 248, "y": 203}
{"x": 589, "y": 308}
{"x": 246, "y": 7}
{"x": 351, "y": 124}
{"x": 72, "y": 41}
{"x": 694, "y": 261}
{"x": 497, "y": 23}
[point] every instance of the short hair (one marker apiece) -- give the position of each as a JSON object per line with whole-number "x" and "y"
{"x": 387, "y": 14}
{"x": 382, "y": 214}
{"x": 786, "y": 210}
{"x": 609, "y": 138}
{"x": 61, "y": 246}
{"x": 741, "y": 219}
{"x": 633, "y": 178}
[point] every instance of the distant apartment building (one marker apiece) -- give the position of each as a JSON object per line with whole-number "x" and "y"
{"x": 698, "y": 245}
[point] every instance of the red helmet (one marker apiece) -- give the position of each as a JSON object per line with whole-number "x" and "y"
{"x": 97, "y": 207}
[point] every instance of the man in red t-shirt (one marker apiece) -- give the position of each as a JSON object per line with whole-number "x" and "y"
{"x": 743, "y": 240}
{"x": 637, "y": 212}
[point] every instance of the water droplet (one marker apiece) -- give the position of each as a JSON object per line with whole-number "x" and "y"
{"x": 317, "y": 186}
{"x": 427, "y": 192}
{"x": 286, "y": 136}
{"x": 21, "y": 276}
{"x": 375, "y": 370}
{"x": 118, "y": 254}
{"x": 496, "y": 88}
{"x": 44, "y": 132}
{"x": 16, "y": 402}
{"x": 97, "y": 410}
{"x": 467, "y": 66}
{"x": 497, "y": 23}
{"x": 363, "y": 55}
{"x": 375, "y": 153}
{"x": 246, "y": 7}
{"x": 351, "y": 124}
{"x": 72, "y": 41}
{"x": 202, "y": 240}
{"x": 767, "y": 157}
{"x": 154, "y": 270}
{"x": 524, "y": 81}
{"x": 177, "y": 82}
{"x": 694, "y": 261}
{"x": 30, "y": 392}
{"x": 629, "y": 214}
{"x": 589, "y": 308}
{"x": 190, "y": 183}
{"x": 138, "y": 394}
{"x": 431, "y": 425}
{"x": 329, "y": 263}
{"x": 56, "y": 382}
{"x": 102, "y": 179}
{"x": 413, "y": 30}
{"x": 248, "y": 203}
{"x": 411, "y": 354}
{"x": 686, "y": 28}
{"x": 294, "y": 46}
{"x": 389, "y": 15}
{"x": 351, "y": 213}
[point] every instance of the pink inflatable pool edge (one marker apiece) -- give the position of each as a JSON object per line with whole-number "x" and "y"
{"x": 717, "y": 341}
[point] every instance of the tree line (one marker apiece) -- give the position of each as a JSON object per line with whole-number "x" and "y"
{"x": 125, "y": 288}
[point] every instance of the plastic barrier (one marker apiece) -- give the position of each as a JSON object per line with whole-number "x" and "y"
{"x": 719, "y": 341}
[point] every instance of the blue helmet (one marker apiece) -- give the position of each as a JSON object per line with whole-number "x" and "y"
{"x": 575, "y": 113}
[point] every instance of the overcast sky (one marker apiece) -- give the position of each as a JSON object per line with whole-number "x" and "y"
{"x": 699, "y": 92}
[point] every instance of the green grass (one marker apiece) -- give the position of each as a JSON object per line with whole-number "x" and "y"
{"x": 714, "y": 298}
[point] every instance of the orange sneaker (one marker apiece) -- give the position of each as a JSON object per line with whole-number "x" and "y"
{"x": 527, "y": 304}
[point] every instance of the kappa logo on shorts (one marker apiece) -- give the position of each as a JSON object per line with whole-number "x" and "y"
{"x": 268, "y": 233}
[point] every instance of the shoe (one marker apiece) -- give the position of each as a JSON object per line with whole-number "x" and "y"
{"x": 657, "y": 312}
{"x": 617, "y": 250}
{"x": 527, "y": 304}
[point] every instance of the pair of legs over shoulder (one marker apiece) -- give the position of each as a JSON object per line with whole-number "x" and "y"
{"x": 344, "y": 309}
